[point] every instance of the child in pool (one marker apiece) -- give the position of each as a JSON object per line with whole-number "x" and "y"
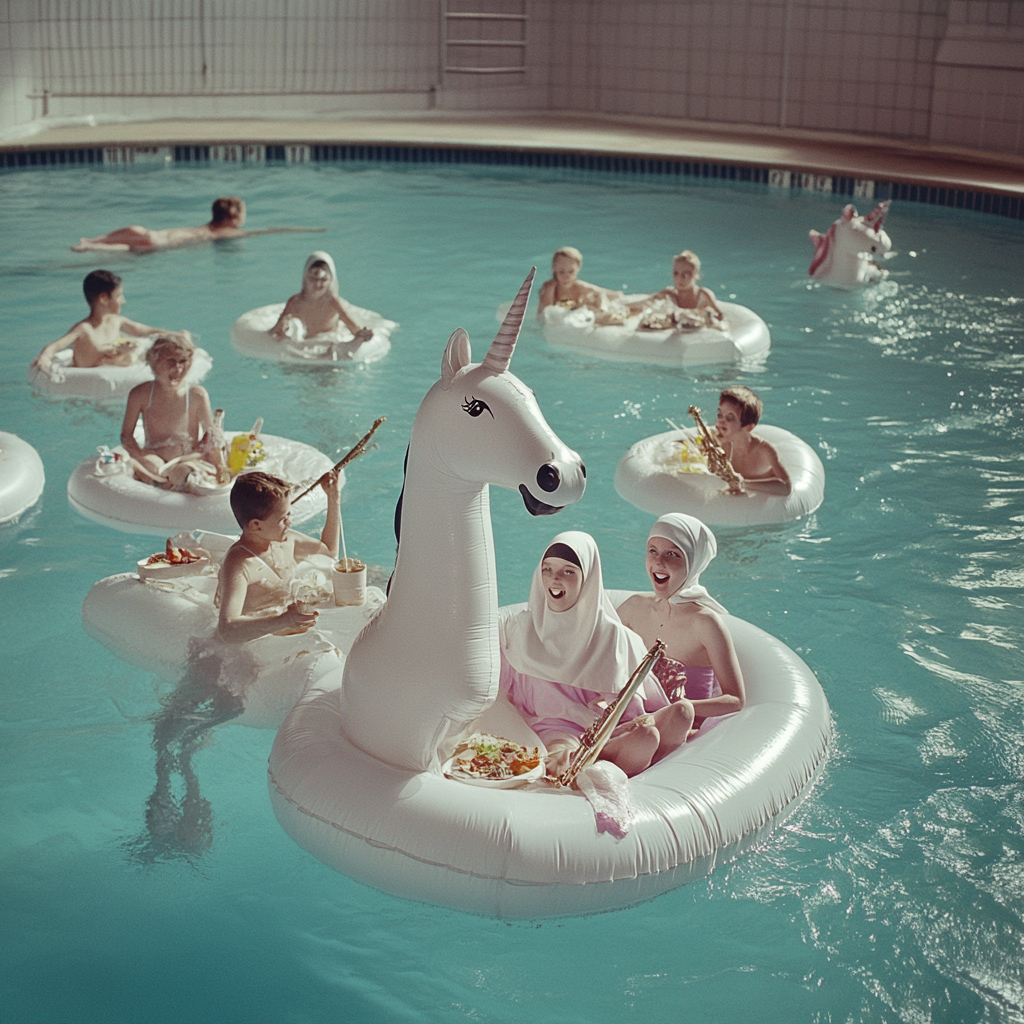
{"x": 255, "y": 579}
{"x": 318, "y": 307}
{"x": 226, "y": 222}
{"x": 685, "y": 293}
{"x": 98, "y": 339}
{"x": 739, "y": 411}
{"x": 565, "y": 289}
{"x": 700, "y": 660}
{"x": 568, "y": 650}
{"x": 174, "y": 414}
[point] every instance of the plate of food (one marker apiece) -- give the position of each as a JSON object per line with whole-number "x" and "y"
{"x": 171, "y": 562}
{"x": 485, "y": 760}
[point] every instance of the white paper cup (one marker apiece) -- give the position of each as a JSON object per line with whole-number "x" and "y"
{"x": 349, "y": 582}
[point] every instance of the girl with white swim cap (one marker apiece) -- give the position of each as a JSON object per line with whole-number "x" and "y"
{"x": 569, "y": 649}
{"x": 699, "y": 659}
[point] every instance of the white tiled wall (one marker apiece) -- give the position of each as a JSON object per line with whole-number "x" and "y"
{"x": 945, "y": 71}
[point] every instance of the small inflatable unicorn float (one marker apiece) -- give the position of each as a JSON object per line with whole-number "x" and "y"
{"x": 845, "y": 255}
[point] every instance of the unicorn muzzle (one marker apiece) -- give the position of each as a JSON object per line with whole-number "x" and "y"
{"x": 563, "y": 484}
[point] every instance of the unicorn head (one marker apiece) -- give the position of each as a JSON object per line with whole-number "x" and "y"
{"x": 845, "y": 255}
{"x": 486, "y": 426}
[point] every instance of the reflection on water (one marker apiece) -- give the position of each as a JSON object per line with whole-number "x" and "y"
{"x": 178, "y": 817}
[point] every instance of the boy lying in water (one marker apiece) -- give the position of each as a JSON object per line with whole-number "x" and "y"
{"x": 98, "y": 339}
{"x": 226, "y": 222}
{"x": 255, "y": 580}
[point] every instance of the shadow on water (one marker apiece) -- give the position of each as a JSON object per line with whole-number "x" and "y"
{"x": 178, "y": 818}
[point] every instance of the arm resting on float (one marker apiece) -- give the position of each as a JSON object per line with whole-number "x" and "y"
{"x": 717, "y": 642}
{"x": 236, "y": 628}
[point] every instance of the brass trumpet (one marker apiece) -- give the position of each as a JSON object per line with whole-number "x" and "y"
{"x": 718, "y": 461}
{"x": 600, "y": 732}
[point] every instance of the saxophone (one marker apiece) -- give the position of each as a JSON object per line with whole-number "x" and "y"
{"x": 600, "y": 732}
{"x": 718, "y": 461}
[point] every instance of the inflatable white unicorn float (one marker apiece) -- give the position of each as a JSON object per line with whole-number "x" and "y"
{"x": 845, "y": 255}
{"x": 355, "y": 776}
{"x": 419, "y": 672}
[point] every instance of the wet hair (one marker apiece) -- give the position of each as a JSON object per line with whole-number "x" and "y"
{"x": 686, "y": 256}
{"x": 99, "y": 282}
{"x": 227, "y": 208}
{"x": 564, "y": 552}
{"x": 165, "y": 343}
{"x": 254, "y": 495}
{"x": 569, "y": 253}
{"x": 749, "y": 404}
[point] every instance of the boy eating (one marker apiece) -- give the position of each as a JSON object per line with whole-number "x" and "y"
{"x": 255, "y": 580}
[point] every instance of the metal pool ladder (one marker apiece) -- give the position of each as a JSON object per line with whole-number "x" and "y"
{"x": 480, "y": 42}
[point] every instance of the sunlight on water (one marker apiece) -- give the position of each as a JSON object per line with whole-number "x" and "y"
{"x": 146, "y": 877}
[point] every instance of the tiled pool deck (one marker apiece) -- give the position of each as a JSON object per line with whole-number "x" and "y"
{"x": 865, "y": 169}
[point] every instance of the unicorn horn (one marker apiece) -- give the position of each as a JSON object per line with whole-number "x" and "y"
{"x": 874, "y": 219}
{"x": 499, "y": 355}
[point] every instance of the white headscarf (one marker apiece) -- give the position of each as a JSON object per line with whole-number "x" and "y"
{"x": 316, "y": 257}
{"x": 586, "y": 645}
{"x": 698, "y": 546}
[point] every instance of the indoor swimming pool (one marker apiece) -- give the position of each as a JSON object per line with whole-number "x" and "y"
{"x": 895, "y": 893}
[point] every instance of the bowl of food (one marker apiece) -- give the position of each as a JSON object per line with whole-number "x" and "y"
{"x": 172, "y": 562}
{"x": 494, "y": 762}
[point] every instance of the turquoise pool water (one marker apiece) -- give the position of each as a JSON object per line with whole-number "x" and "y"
{"x": 896, "y": 893}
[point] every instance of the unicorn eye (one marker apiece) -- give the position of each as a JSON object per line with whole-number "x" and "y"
{"x": 474, "y": 406}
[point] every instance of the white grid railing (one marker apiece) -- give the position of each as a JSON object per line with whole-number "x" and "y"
{"x": 182, "y": 48}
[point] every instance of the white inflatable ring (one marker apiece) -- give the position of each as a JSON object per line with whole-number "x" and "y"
{"x": 21, "y": 476}
{"x": 129, "y": 505}
{"x": 744, "y": 335}
{"x": 651, "y": 476}
{"x": 105, "y": 383}
{"x": 156, "y": 626}
{"x": 249, "y": 336}
{"x": 533, "y": 853}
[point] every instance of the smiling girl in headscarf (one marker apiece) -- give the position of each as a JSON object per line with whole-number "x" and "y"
{"x": 569, "y": 649}
{"x": 317, "y": 309}
{"x": 699, "y": 658}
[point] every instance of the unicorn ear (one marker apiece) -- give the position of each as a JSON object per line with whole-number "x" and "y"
{"x": 849, "y": 211}
{"x": 456, "y": 356}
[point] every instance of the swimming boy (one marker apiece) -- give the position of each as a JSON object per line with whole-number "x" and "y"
{"x": 739, "y": 411}
{"x": 255, "y": 579}
{"x": 564, "y": 288}
{"x": 685, "y": 292}
{"x": 226, "y": 222}
{"x": 98, "y": 339}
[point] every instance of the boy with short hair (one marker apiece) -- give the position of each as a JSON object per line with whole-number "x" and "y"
{"x": 739, "y": 411}
{"x": 255, "y": 579}
{"x": 98, "y": 339}
{"x": 228, "y": 216}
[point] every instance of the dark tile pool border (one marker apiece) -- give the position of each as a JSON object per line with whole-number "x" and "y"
{"x": 857, "y": 188}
